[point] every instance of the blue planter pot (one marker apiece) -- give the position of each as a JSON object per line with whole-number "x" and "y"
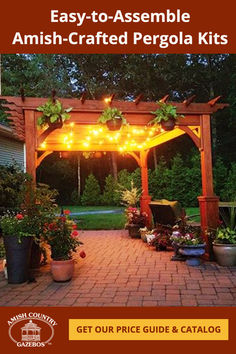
{"x": 193, "y": 253}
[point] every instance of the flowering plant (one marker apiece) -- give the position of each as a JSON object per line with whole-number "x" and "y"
{"x": 62, "y": 236}
{"x": 20, "y": 225}
{"x": 184, "y": 234}
{"x": 135, "y": 217}
{"x": 162, "y": 239}
{"x": 187, "y": 239}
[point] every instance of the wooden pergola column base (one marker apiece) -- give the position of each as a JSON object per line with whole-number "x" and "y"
{"x": 209, "y": 212}
{"x": 144, "y": 206}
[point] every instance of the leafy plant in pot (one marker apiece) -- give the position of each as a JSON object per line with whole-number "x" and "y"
{"x": 113, "y": 118}
{"x": 18, "y": 234}
{"x": 62, "y": 237}
{"x": 135, "y": 220}
{"x": 53, "y": 113}
{"x": 165, "y": 115}
{"x": 162, "y": 240}
{"x": 224, "y": 245}
{"x": 188, "y": 241}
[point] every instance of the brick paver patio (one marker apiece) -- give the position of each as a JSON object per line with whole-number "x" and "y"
{"x": 119, "y": 271}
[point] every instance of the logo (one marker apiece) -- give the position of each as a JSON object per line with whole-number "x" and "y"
{"x": 31, "y": 329}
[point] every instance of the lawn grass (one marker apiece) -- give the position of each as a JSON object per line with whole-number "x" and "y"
{"x": 193, "y": 211}
{"x": 108, "y": 221}
{"x": 78, "y": 209}
{"x": 101, "y": 221}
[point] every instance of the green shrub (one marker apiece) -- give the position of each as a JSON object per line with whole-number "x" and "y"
{"x": 75, "y": 198}
{"x": 12, "y": 186}
{"x": 220, "y": 173}
{"x": 229, "y": 189}
{"x": 92, "y": 192}
{"x": 108, "y": 197}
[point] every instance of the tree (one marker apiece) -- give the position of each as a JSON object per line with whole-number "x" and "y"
{"x": 108, "y": 197}
{"x": 92, "y": 192}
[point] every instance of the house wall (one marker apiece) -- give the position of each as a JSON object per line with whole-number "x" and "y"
{"x": 11, "y": 151}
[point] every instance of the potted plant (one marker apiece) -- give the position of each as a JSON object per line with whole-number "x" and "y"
{"x": 224, "y": 245}
{"x": 18, "y": 234}
{"x": 165, "y": 115}
{"x": 187, "y": 242}
{"x": 62, "y": 237}
{"x": 190, "y": 245}
{"x": 41, "y": 206}
{"x": 113, "y": 118}
{"x": 162, "y": 240}
{"x": 135, "y": 220}
{"x": 53, "y": 113}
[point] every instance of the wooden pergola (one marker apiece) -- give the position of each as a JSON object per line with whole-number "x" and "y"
{"x": 83, "y": 133}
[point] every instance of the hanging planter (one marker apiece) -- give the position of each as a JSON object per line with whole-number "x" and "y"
{"x": 113, "y": 118}
{"x": 165, "y": 116}
{"x": 53, "y": 114}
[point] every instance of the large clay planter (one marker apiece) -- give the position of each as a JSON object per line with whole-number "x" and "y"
{"x": 18, "y": 258}
{"x": 193, "y": 253}
{"x": 62, "y": 271}
{"x": 225, "y": 254}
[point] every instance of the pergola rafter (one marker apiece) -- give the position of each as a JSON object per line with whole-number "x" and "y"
{"x": 137, "y": 139}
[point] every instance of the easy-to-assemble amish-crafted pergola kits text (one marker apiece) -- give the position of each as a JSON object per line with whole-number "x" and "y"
{"x": 82, "y": 133}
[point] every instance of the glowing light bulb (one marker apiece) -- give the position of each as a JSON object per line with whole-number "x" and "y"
{"x": 72, "y": 124}
{"x": 88, "y": 138}
{"x": 107, "y": 100}
{"x": 86, "y": 144}
{"x": 43, "y": 145}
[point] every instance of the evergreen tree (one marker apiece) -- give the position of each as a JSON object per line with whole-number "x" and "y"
{"x": 92, "y": 192}
{"x": 108, "y": 197}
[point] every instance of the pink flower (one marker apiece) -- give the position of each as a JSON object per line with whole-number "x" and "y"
{"x": 74, "y": 234}
{"x": 19, "y": 216}
{"x": 67, "y": 212}
{"x": 82, "y": 254}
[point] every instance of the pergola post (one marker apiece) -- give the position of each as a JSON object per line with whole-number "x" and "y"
{"x": 145, "y": 198}
{"x": 30, "y": 143}
{"x": 208, "y": 202}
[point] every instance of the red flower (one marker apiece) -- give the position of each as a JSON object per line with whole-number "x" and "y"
{"x": 67, "y": 212}
{"x": 63, "y": 218}
{"x": 19, "y": 216}
{"x": 82, "y": 254}
{"x": 52, "y": 226}
{"x": 74, "y": 227}
{"x": 74, "y": 234}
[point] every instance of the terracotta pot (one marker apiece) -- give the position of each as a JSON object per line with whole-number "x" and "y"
{"x": 114, "y": 124}
{"x": 225, "y": 254}
{"x": 62, "y": 270}
{"x": 168, "y": 125}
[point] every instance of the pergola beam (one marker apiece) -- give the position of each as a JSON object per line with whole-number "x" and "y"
{"x": 125, "y": 106}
